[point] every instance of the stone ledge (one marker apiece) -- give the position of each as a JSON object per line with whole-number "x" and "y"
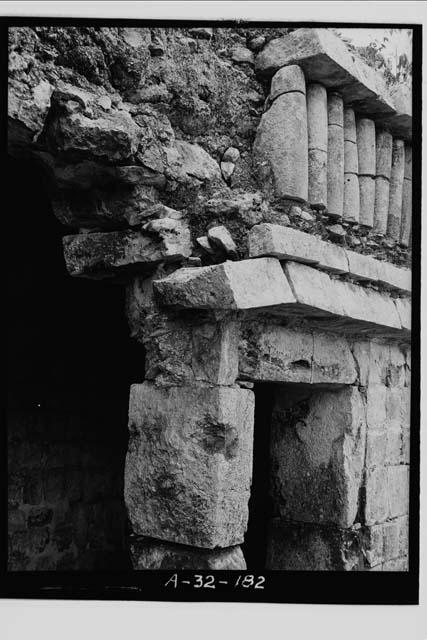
{"x": 324, "y": 58}
{"x": 286, "y": 243}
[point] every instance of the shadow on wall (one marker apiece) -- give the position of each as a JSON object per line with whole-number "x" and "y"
{"x": 70, "y": 365}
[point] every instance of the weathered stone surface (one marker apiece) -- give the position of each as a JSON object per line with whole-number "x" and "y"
{"x": 313, "y": 290}
{"x": 280, "y": 148}
{"x": 382, "y": 197}
{"x": 403, "y": 307}
{"x": 189, "y": 463}
{"x": 406, "y": 221}
{"x": 242, "y": 55}
{"x": 350, "y": 134}
{"x": 317, "y": 452}
{"x": 221, "y": 237}
{"x": 336, "y": 231}
{"x": 398, "y": 490}
{"x": 351, "y": 160}
{"x": 271, "y": 353}
{"x": 351, "y": 210}
{"x": 366, "y": 306}
{"x": 396, "y": 187}
{"x": 203, "y": 242}
{"x": 386, "y": 542}
{"x": 307, "y": 547}
{"x": 227, "y": 170}
{"x": 367, "y": 200}
{"x": 332, "y": 258}
{"x": 154, "y": 554}
{"x": 365, "y": 130}
{"x": 283, "y": 243}
{"x": 335, "y": 170}
{"x": 231, "y": 155}
{"x": 189, "y": 162}
{"x": 317, "y": 178}
{"x": 362, "y": 267}
{"x": 247, "y": 284}
{"x": 100, "y": 255}
{"x": 395, "y": 278}
{"x": 285, "y": 80}
{"x": 325, "y": 59}
{"x": 317, "y": 117}
{"x": 384, "y": 145}
{"x": 387, "y": 493}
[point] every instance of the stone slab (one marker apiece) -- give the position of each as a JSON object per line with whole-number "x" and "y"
{"x": 325, "y": 59}
{"x": 395, "y": 278}
{"x": 403, "y": 307}
{"x": 101, "y": 255}
{"x": 363, "y": 268}
{"x": 189, "y": 463}
{"x": 247, "y": 284}
{"x": 158, "y": 555}
{"x": 313, "y": 290}
{"x": 317, "y": 455}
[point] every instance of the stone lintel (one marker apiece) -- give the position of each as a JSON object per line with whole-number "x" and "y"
{"x": 325, "y": 59}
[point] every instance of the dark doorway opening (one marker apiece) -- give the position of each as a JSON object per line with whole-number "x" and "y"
{"x": 70, "y": 364}
{"x": 260, "y": 505}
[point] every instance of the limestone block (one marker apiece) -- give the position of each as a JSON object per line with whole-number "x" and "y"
{"x": 284, "y": 243}
{"x": 317, "y": 117}
{"x": 398, "y": 490}
{"x": 155, "y": 554}
{"x": 363, "y": 268}
{"x": 395, "y": 278}
{"x": 332, "y": 360}
{"x": 376, "y": 448}
{"x": 325, "y": 59}
{"x": 376, "y": 500}
{"x": 317, "y": 178}
{"x": 350, "y": 134}
{"x": 189, "y": 463}
{"x": 351, "y": 159}
{"x": 396, "y": 188}
{"x": 403, "y": 307}
{"x": 280, "y": 148}
{"x": 221, "y": 237}
{"x": 365, "y": 129}
{"x": 287, "y": 79}
{"x": 247, "y": 284}
{"x": 313, "y": 289}
{"x": 335, "y": 175}
{"x": 270, "y": 353}
{"x": 399, "y": 564}
{"x": 307, "y": 547}
{"x": 317, "y": 455}
{"x": 366, "y": 307}
{"x": 99, "y": 255}
{"x": 332, "y": 258}
{"x": 383, "y": 153}
{"x": 382, "y": 198}
{"x": 351, "y": 210}
{"x": 367, "y": 200}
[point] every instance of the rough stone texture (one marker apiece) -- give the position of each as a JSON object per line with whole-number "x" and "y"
{"x": 189, "y": 463}
{"x": 313, "y": 290}
{"x": 367, "y": 200}
{"x": 351, "y": 209}
{"x": 285, "y": 80}
{"x": 382, "y": 198}
{"x": 350, "y": 134}
{"x": 351, "y": 161}
{"x": 307, "y": 547}
{"x": 317, "y": 125}
{"x": 406, "y": 221}
{"x": 272, "y": 353}
{"x": 317, "y": 453}
{"x": 248, "y": 284}
{"x": 332, "y": 258}
{"x": 154, "y": 554}
{"x": 325, "y": 59}
{"x": 394, "y": 278}
{"x": 101, "y": 254}
{"x": 396, "y": 187}
{"x": 352, "y": 200}
{"x": 387, "y": 493}
{"x": 365, "y": 130}
{"x": 403, "y": 307}
{"x": 335, "y": 171}
{"x": 384, "y": 146}
{"x": 221, "y": 237}
{"x": 363, "y": 268}
{"x": 280, "y": 148}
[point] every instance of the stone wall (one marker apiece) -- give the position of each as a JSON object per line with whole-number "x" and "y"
{"x": 251, "y": 191}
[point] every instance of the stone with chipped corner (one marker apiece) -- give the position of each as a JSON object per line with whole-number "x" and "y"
{"x": 282, "y": 242}
{"x": 221, "y": 237}
{"x": 155, "y": 554}
{"x": 247, "y": 284}
{"x": 203, "y": 242}
{"x": 101, "y": 255}
{"x": 318, "y": 450}
{"x": 189, "y": 463}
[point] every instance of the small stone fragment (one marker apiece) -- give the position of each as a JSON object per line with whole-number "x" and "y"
{"x": 257, "y": 43}
{"x": 231, "y": 155}
{"x": 204, "y": 33}
{"x": 221, "y": 237}
{"x": 227, "y": 170}
{"x": 156, "y": 47}
{"x": 242, "y": 55}
{"x": 336, "y": 231}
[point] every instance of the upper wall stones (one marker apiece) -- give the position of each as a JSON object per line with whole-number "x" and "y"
{"x": 325, "y": 59}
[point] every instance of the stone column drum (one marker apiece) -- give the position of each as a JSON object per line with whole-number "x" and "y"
{"x": 317, "y": 125}
{"x": 280, "y": 148}
{"x": 396, "y": 190}
{"x": 351, "y": 169}
{"x": 335, "y": 155}
{"x": 384, "y": 145}
{"x": 365, "y": 129}
{"x": 406, "y": 222}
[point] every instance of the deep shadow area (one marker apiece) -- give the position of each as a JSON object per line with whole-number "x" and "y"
{"x": 260, "y": 507}
{"x": 70, "y": 364}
